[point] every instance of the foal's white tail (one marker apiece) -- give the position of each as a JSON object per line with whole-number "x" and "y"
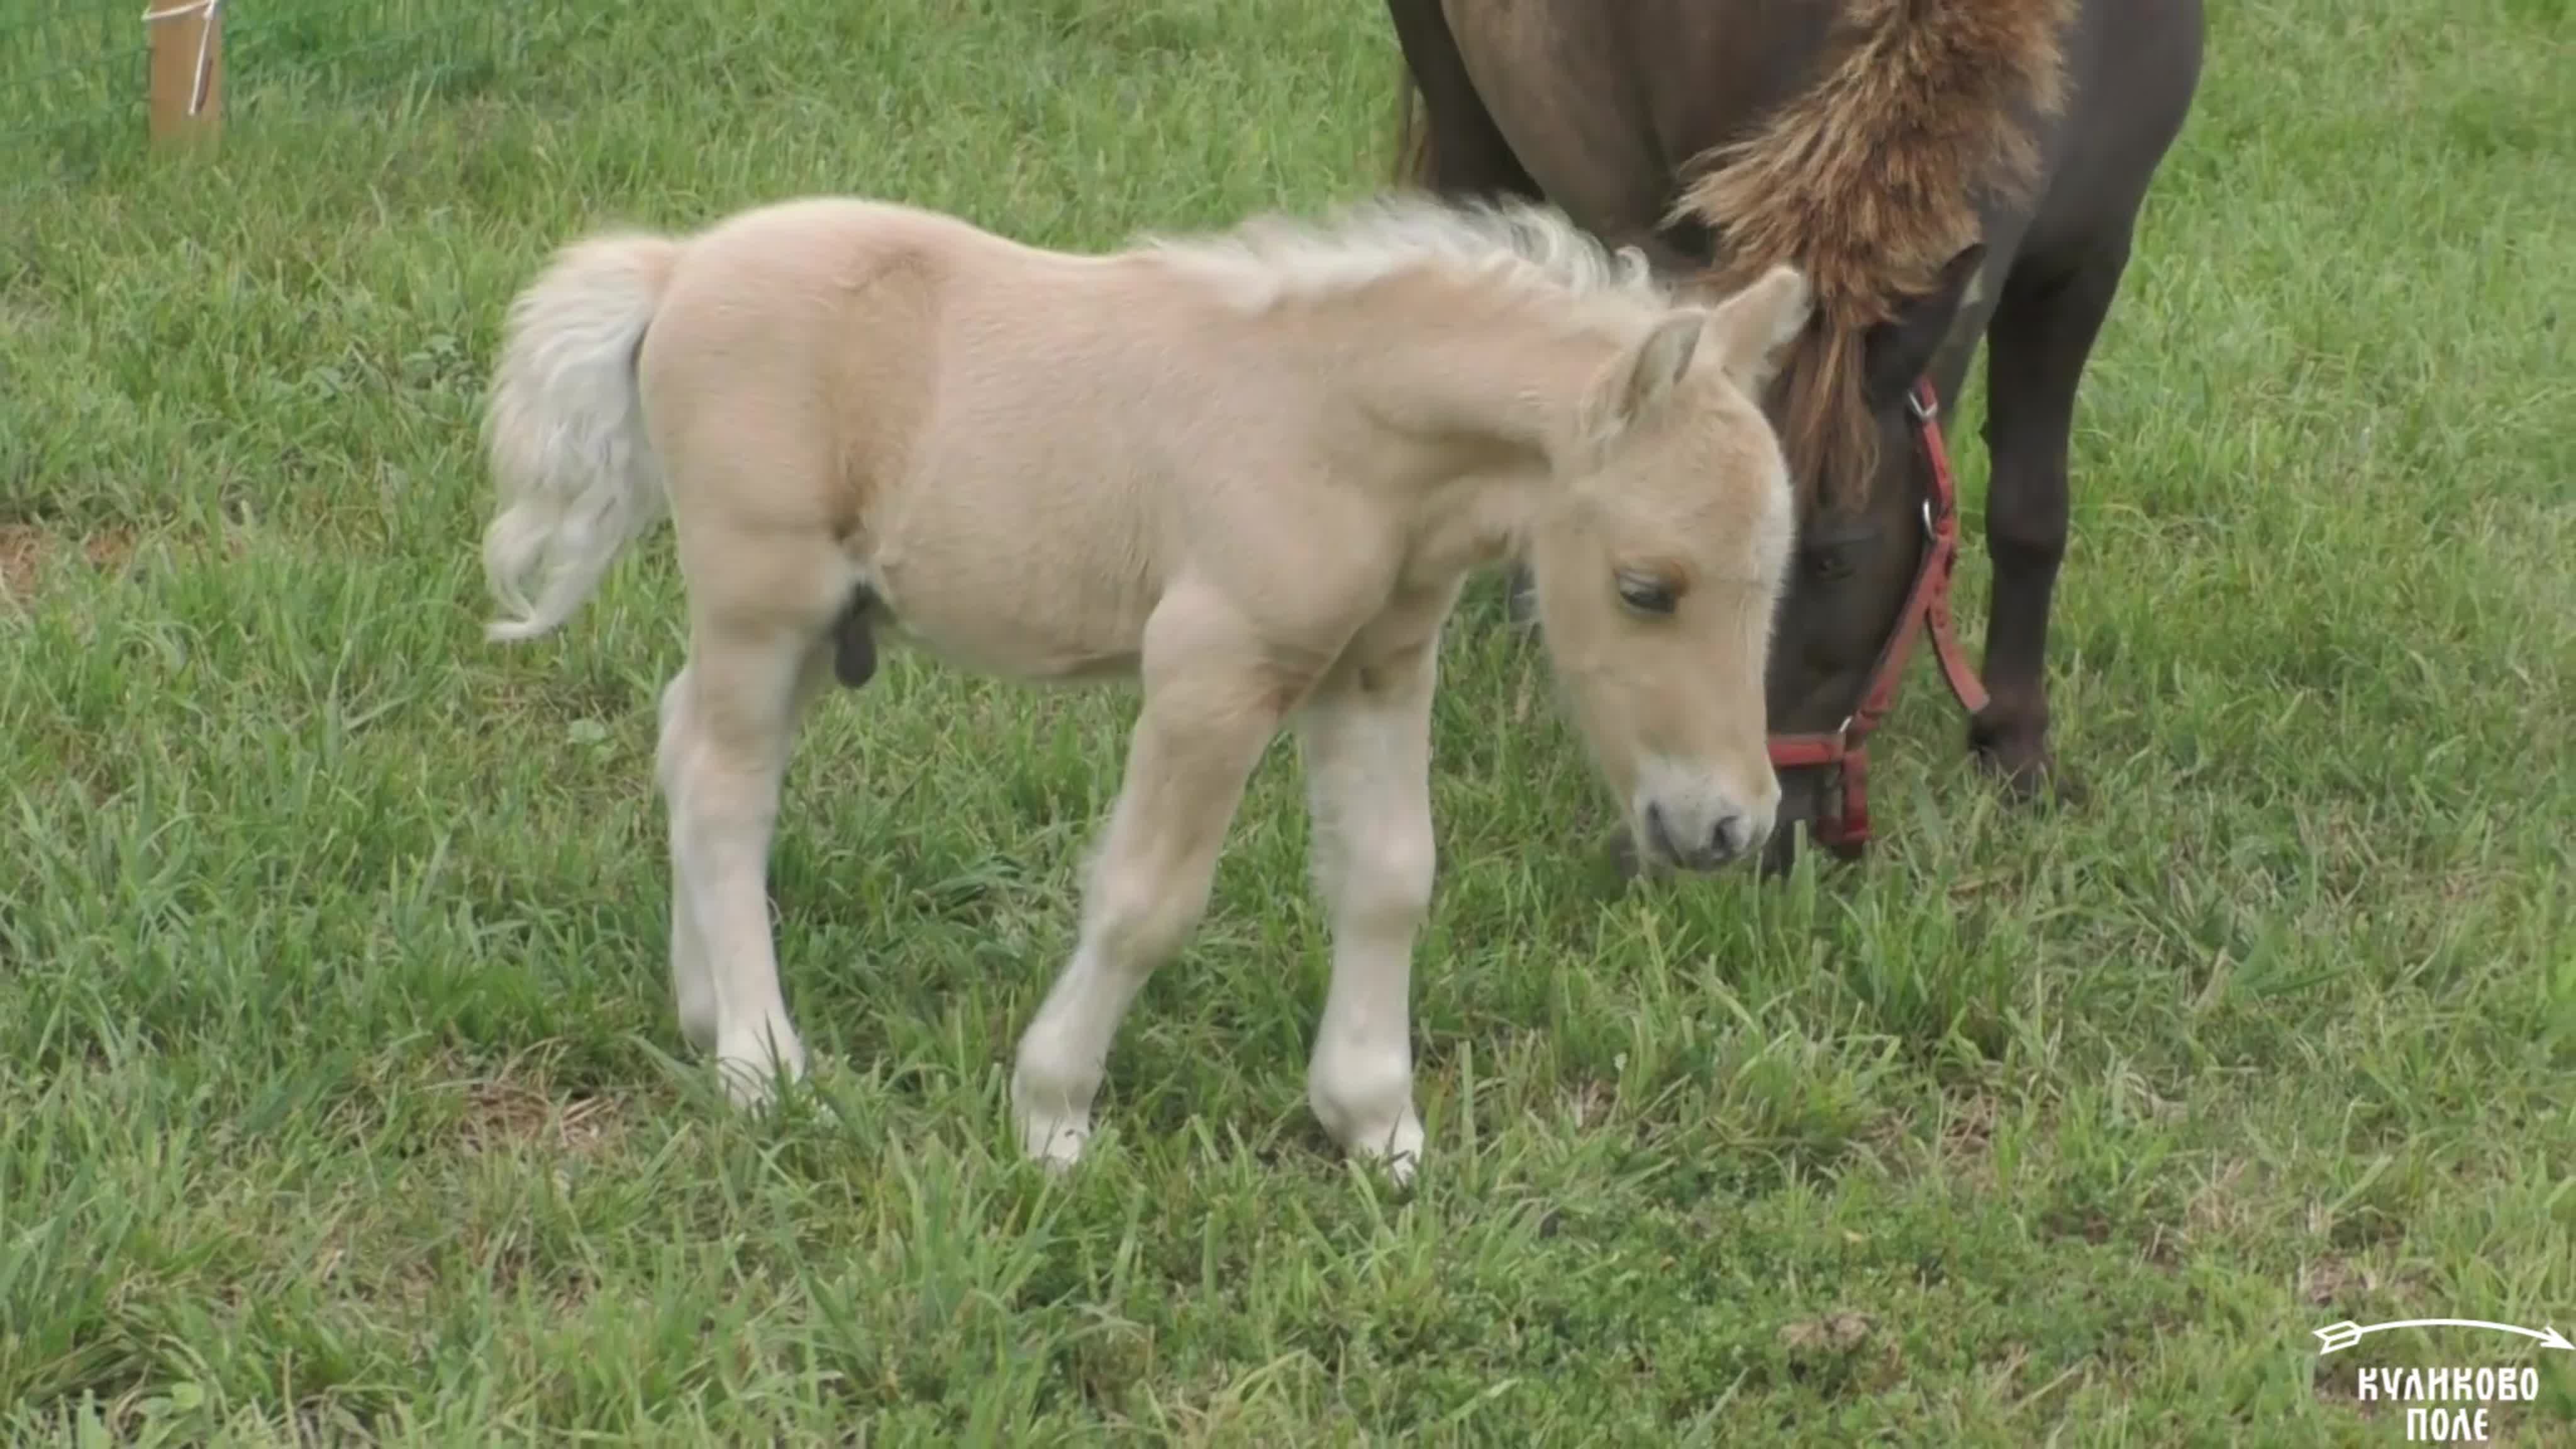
{"x": 564, "y": 429}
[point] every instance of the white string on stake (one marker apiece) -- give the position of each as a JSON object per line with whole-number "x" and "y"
{"x": 205, "y": 40}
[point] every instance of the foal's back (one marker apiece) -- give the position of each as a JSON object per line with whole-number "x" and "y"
{"x": 980, "y": 425}
{"x": 1016, "y": 450}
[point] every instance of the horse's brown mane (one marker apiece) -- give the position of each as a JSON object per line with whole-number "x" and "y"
{"x": 1870, "y": 181}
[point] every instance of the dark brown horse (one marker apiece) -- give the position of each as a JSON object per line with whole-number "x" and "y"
{"x": 1944, "y": 170}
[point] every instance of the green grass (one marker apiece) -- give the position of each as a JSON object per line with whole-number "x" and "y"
{"x": 340, "y": 1095}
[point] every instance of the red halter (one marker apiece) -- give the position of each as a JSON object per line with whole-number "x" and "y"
{"x": 1843, "y": 824}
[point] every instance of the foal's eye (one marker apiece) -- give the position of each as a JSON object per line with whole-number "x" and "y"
{"x": 1646, "y": 594}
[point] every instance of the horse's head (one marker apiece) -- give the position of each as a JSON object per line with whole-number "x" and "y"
{"x": 1843, "y": 399}
{"x": 1658, "y": 569}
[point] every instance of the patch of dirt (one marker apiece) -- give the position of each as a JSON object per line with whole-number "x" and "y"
{"x": 1589, "y": 1103}
{"x": 2334, "y": 1384}
{"x": 516, "y": 1108}
{"x": 2336, "y": 1381}
{"x": 513, "y": 1111}
{"x": 1962, "y": 1144}
{"x": 1843, "y": 1351}
{"x": 2332, "y": 1279}
{"x": 24, "y": 548}
{"x": 1969, "y": 1134}
{"x": 1838, "y": 1332}
{"x": 22, "y": 556}
{"x": 2090, "y": 1224}
{"x": 2164, "y": 1248}
{"x": 108, "y": 549}
{"x": 2216, "y": 1209}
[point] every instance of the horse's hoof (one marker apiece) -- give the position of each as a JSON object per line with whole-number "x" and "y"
{"x": 2036, "y": 780}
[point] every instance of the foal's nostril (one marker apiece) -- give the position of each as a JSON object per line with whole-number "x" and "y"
{"x": 1683, "y": 839}
{"x": 1658, "y": 834}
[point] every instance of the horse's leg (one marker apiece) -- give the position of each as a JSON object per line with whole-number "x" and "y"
{"x": 1367, "y": 745}
{"x": 728, "y": 719}
{"x": 2043, "y": 332}
{"x": 1462, "y": 153}
{"x": 1209, "y": 709}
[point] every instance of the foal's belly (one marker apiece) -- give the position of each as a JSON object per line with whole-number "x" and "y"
{"x": 1030, "y": 622}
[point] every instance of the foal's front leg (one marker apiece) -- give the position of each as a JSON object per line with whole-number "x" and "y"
{"x": 1367, "y": 743}
{"x": 1210, "y": 707}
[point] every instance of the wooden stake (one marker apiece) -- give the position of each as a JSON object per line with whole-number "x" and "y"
{"x": 187, "y": 40}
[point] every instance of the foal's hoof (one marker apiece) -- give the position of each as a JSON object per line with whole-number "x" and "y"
{"x": 1402, "y": 1157}
{"x": 1378, "y": 1128}
{"x": 1397, "y": 1153}
{"x": 1055, "y": 1143}
{"x": 752, "y": 1086}
{"x": 1053, "y": 1131}
{"x": 752, "y": 1074}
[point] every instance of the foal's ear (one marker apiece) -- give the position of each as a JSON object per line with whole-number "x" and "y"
{"x": 1639, "y": 379}
{"x": 1751, "y": 327}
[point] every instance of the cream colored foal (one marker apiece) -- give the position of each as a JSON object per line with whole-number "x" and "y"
{"x": 1251, "y": 470}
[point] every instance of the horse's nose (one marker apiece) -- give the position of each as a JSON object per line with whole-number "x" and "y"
{"x": 1728, "y": 838}
{"x": 1722, "y": 840}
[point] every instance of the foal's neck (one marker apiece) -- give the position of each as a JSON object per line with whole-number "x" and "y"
{"x": 1500, "y": 375}
{"x": 1476, "y": 398}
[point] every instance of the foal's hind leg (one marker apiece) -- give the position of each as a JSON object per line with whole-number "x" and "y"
{"x": 693, "y": 986}
{"x": 728, "y": 719}
{"x": 1366, "y": 737}
{"x": 1209, "y": 709}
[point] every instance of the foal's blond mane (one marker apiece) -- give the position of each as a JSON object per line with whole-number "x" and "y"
{"x": 1515, "y": 248}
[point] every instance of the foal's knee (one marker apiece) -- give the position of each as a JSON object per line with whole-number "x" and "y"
{"x": 667, "y": 746}
{"x": 1139, "y": 919}
{"x": 1385, "y": 883}
{"x": 717, "y": 800}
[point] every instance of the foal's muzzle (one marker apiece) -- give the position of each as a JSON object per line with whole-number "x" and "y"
{"x": 1700, "y": 840}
